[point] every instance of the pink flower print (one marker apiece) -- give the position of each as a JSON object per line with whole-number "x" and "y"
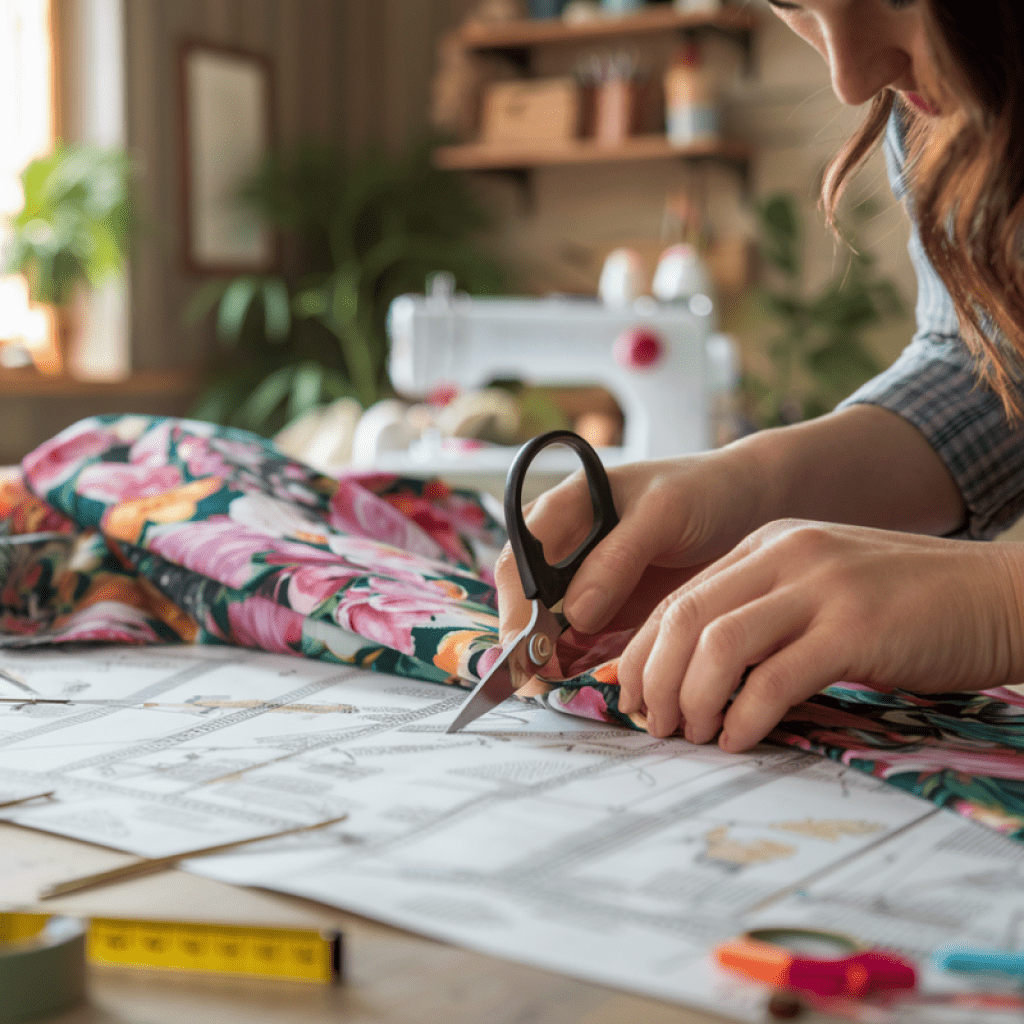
{"x": 217, "y": 548}
{"x": 465, "y": 515}
{"x": 586, "y": 702}
{"x": 112, "y": 482}
{"x": 354, "y": 510}
{"x": 1001, "y": 763}
{"x": 106, "y": 621}
{"x": 276, "y": 518}
{"x": 265, "y": 625}
{"x": 1007, "y": 696}
{"x": 993, "y": 817}
{"x": 205, "y": 456}
{"x": 432, "y": 522}
{"x": 368, "y": 479}
{"x": 57, "y": 460}
{"x": 489, "y": 657}
{"x": 387, "y": 611}
{"x": 153, "y": 448}
{"x": 385, "y": 560}
{"x": 234, "y": 555}
{"x": 309, "y": 586}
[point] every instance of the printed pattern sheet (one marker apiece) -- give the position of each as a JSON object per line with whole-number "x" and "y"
{"x": 576, "y": 846}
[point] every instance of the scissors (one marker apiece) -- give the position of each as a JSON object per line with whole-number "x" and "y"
{"x": 543, "y": 584}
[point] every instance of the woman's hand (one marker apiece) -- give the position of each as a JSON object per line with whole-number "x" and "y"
{"x": 675, "y": 516}
{"x": 809, "y": 604}
{"x": 862, "y": 465}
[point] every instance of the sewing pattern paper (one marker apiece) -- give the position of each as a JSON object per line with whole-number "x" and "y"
{"x": 145, "y": 530}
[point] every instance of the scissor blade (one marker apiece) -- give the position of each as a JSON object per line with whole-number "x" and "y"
{"x": 501, "y": 682}
{"x": 497, "y": 686}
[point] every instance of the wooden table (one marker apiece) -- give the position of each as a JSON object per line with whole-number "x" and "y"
{"x": 392, "y": 976}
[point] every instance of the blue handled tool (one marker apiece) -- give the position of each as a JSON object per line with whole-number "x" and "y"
{"x": 965, "y": 960}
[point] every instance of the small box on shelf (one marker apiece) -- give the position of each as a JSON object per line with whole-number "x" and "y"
{"x": 532, "y": 112}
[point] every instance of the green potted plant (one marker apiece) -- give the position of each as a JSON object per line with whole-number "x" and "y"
{"x": 74, "y": 228}
{"x": 360, "y": 232}
{"x": 817, "y": 353}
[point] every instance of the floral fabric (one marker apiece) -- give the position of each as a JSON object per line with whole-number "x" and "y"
{"x": 143, "y": 530}
{"x": 182, "y": 531}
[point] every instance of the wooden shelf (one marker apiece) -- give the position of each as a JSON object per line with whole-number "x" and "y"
{"x": 479, "y": 156}
{"x": 141, "y": 384}
{"x": 521, "y": 35}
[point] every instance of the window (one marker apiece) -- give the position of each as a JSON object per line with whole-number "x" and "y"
{"x": 26, "y": 131}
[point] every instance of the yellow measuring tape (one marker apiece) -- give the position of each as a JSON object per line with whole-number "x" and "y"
{"x": 299, "y": 954}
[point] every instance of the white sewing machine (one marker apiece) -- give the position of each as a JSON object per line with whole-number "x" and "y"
{"x": 652, "y": 357}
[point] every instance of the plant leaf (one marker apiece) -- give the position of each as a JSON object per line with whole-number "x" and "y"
{"x": 234, "y": 307}
{"x": 277, "y": 315}
{"x": 307, "y": 385}
{"x": 272, "y": 391}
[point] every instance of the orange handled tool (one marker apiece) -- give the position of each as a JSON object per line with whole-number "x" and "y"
{"x": 772, "y": 956}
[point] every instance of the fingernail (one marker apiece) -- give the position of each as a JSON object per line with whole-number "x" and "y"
{"x": 587, "y": 611}
{"x": 724, "y": 742}
{"x": 652, "y": 724}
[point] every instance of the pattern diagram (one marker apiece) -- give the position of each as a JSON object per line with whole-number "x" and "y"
{"x": 603, "y": 853}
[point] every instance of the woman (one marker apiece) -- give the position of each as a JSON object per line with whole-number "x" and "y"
{"x": 844, "y": 548}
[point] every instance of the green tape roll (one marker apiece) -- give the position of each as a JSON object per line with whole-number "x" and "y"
{"x": 44, "y": 975}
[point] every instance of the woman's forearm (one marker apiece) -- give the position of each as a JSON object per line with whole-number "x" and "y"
{"x": 864, "y": 465}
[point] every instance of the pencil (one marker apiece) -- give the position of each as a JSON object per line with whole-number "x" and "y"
{"x": 152, "y": 865}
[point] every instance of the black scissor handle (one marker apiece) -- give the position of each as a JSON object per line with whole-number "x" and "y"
{"x": 540, "y": 579}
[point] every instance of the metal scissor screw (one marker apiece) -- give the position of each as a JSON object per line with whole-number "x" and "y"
{"x": 540, "y": 650}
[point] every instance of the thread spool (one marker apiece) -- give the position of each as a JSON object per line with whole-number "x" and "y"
{"x": 42, "y": 969}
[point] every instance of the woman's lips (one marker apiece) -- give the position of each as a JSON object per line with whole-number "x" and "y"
{"x": 921, "y": 103}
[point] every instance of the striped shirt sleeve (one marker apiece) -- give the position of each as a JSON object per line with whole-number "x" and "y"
{"x": 933, "y": 385}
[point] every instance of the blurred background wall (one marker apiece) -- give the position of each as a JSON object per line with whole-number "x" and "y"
{"x": 358, "y": 72}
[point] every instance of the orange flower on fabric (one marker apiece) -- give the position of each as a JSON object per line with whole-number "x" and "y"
{"x": 452, "y": 647}
{"x": 168, "y": 612}
{"x": 451, "y": 589}
{"x": 127, "y": 520}
{"x": 606, "y": 673}
{"x": 121, "y": 589}
{"x": 25, "y": 513}
{"x": 311, "y": 538}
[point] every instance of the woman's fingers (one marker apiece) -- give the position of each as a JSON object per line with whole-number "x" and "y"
{"x": 615, "y": 569}
{"x": 654, "y": 664}
{"x": 561, "y": 519}
{"x": 791, "y": 675}
{"x": 513, "y": 607}
{"x": 728, "y": 646}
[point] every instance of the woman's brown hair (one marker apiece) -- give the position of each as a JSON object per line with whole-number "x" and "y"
{"x": 966, "y": 177}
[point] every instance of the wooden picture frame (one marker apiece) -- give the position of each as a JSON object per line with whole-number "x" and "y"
{"x": 226, "y": 111}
